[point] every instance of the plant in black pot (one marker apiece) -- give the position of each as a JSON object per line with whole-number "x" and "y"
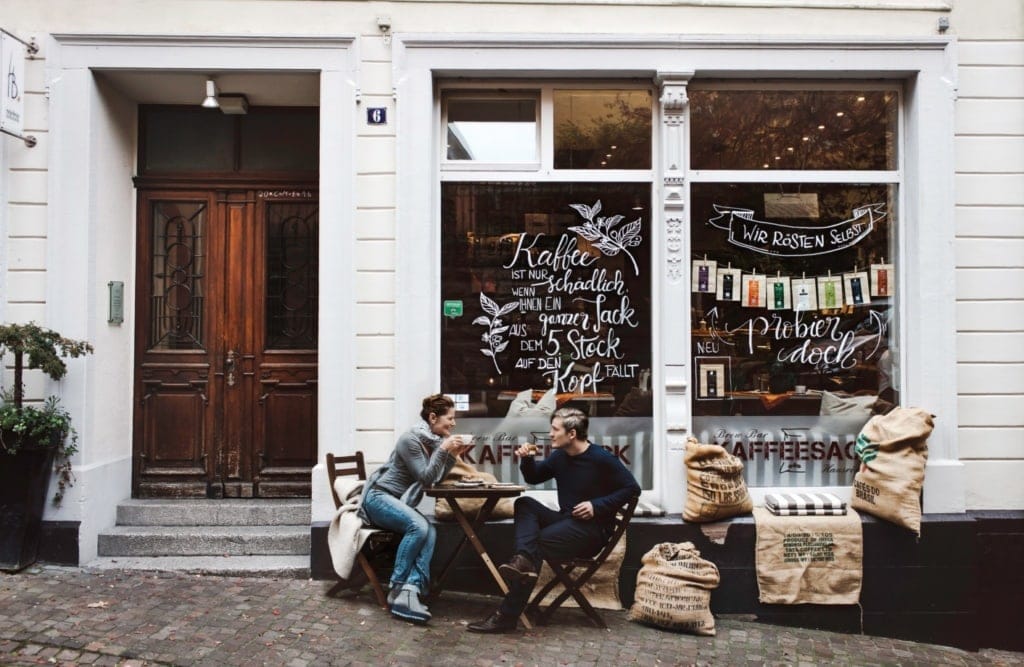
{"x": 33, "y": 439}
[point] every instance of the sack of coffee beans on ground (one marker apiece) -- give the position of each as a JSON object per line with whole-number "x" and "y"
{"x": 673, "y": 589}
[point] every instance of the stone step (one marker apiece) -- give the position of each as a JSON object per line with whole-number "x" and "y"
{"x": 209, "y": 512}
{"x": 290, "y": 567}
{"x": 204, "y": 541}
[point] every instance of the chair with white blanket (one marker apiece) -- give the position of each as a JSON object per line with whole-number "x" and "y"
{"x": 350, "y": 542}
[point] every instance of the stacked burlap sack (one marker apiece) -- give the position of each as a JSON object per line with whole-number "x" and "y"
{"x": 673, "y": 589}
{"x": 893, "y": 449}
{"x": 714, "y": 484}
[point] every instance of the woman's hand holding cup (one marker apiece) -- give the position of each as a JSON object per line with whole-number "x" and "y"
{"x": 461, "y": 443}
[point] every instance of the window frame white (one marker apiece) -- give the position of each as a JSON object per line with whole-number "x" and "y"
{"x": 838, "y": 176}
{"x": 925, "y": 66}
{"x": 450, "y": 171}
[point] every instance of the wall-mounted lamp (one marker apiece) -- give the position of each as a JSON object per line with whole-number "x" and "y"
{"x": 211, "y": 95}
{"x": 384, "y": 25}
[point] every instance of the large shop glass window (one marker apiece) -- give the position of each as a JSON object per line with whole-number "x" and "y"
{"x": 546, "y": 279}
{"x": 794, "y": 275}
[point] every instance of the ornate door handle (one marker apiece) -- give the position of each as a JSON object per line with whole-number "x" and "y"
{"x": 229, "y": 368}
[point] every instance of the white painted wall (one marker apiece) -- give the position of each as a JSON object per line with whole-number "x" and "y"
{"x": 990, "y": 250}
{"x": 989, "y": 144}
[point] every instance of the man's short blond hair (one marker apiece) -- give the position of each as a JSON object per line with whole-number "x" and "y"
{"x": 573, "y": 419}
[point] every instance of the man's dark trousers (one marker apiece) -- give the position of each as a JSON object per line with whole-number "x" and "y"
{"x": 541, "y": 532}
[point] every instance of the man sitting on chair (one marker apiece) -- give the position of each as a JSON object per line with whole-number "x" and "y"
{"x": 592, "y": 486}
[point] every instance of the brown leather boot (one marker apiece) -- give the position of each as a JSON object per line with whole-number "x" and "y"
{"x": 495, "y": 623}
{"x": 519, "y": 570}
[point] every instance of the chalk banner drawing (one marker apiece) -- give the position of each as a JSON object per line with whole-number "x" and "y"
{"x": 779, "y": 240}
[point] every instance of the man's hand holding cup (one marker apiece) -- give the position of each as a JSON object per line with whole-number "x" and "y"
{"x": 528, "y": 450}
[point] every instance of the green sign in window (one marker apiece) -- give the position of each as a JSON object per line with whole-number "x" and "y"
{"x": 453, "y": 308}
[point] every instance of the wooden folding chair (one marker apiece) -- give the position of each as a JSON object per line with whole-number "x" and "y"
{"x": 573, "y": 574}
{"x": 380, "y": 543}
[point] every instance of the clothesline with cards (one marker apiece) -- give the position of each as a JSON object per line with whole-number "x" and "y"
{"x": 822, "y": 292}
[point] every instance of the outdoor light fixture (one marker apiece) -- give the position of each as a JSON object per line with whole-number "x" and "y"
{"x": 211, "y": 95}
{"x": 233, "y": 103}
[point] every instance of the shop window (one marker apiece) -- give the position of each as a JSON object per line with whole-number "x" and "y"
{"x": 485, "y": 128}
{"x": 804, "y": 129}
{"x": 602, "y": 129}
{"x": 794, "y": 278}
{"x": 546, "y": 302}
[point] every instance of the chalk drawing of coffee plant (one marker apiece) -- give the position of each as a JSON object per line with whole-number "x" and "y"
{"x": 495, "y": 334}
{"x": 599, "y": 232}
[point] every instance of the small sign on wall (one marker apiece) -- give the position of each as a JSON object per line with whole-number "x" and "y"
{"x": 115, "y": 308}
{"x": 377, "y": 116}
{"x": 12, "y": 102}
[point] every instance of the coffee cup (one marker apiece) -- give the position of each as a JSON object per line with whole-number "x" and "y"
{"x": 465, "y": 439}
{"x": 532, "y": 449}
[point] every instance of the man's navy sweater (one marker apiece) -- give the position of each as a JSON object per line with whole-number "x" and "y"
{"x": 594, "y": 475}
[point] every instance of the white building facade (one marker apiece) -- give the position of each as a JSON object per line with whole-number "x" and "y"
{"x": 443, "y": 165}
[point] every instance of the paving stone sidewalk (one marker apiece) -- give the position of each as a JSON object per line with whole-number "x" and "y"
{"x": 72, "y": 616}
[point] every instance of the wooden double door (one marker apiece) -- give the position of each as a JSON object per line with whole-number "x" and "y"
{"x": 226, "y": 342}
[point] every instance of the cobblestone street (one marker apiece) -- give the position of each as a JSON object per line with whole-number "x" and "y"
{"x": 70, "y": 616}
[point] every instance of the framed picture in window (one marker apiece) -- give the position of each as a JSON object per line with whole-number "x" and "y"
{"x": 728, "y": 287}
{"x": 805, "y": 294}
{"x": 855, "y": 286}
{"x": 882, "y": 280}
{"x": 830, "y": 292}
{"x": 705, "y": 276}
{"x": 754, "y": 288}
{"x": 712, "y": 375}
{"x": 778, "y": 294}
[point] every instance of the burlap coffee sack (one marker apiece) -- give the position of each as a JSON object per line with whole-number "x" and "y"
{"x": 714, "y": 484}
{"x": 894, "y": 449}
{"x": 808, "y": 559}
{"x": 471, "y": 506}
{"x": 601, "y": 590}
{"x": 673, "y": 589}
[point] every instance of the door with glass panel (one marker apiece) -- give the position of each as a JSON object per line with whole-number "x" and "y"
{"x": 226, "y": 342}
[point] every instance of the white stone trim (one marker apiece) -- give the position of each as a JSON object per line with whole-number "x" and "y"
{"x": 82, "y": 220}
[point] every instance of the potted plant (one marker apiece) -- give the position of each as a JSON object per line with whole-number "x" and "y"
{"x": 32, "y": 439}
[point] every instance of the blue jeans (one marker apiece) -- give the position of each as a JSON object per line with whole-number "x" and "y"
{"x": 541, "y": 532}
{"x": 412, "y": 562}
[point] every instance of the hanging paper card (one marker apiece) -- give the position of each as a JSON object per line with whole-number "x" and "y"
{"x": 728, "y": 288}
{"x": 711, "y": 376}
{"x": 856, "y": 288}
{"x": 882, "y": 280}
{"x": 805, "y": 294}
{"x": 779, "y": 296}
{"x": 705, "y": 277}
{"x": 754, "y": 290}
{"x": 830, "y": 292}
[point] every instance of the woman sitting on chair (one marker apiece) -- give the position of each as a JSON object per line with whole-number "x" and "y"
{"x": 422, "y": 457}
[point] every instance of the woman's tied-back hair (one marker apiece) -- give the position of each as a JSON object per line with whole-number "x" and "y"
{"x": 437, "y": 404}
{"x": 572, "y": 418}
